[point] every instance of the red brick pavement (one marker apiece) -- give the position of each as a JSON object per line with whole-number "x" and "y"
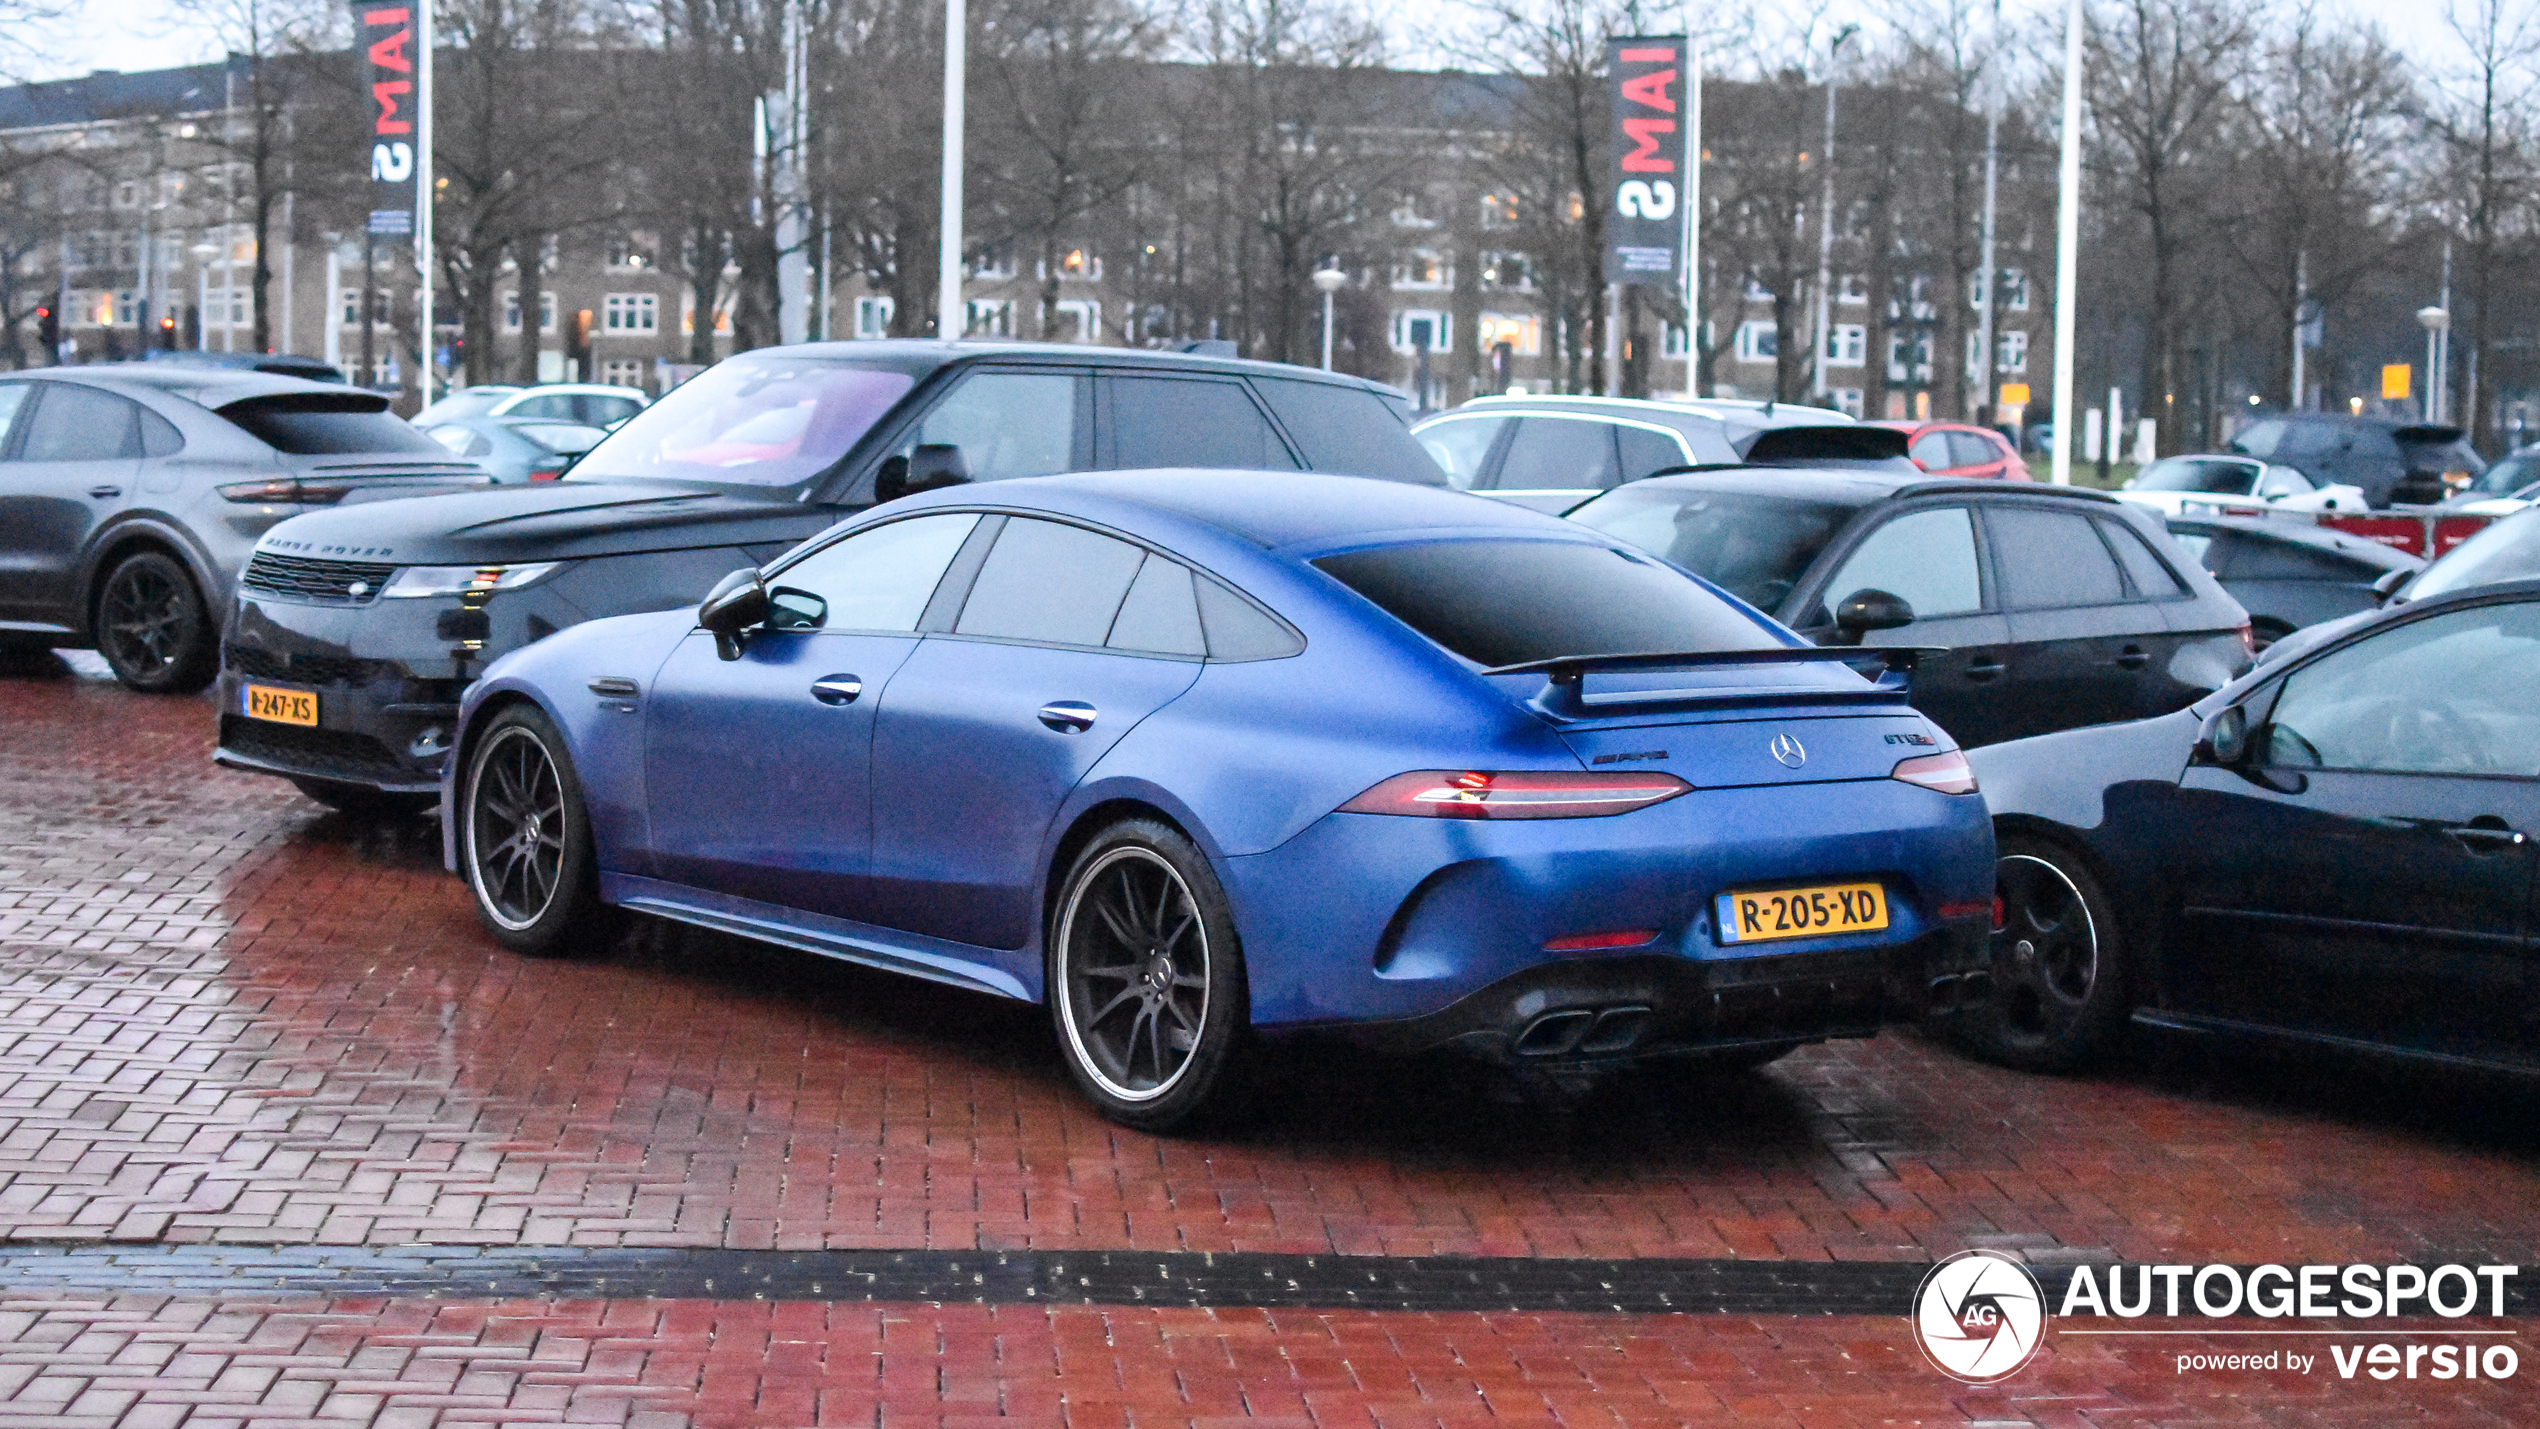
{"x": 153, "y": 1363}
{"x": 225, "y": 1014}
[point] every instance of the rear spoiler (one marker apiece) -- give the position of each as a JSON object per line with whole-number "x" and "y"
{"x": 1564, "y": 693}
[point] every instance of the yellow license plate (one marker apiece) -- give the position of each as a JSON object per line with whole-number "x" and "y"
{"x": 282, "y": 706}
{"x": 1760, "y": 916}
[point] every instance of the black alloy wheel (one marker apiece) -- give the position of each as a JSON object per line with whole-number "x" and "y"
{"x": 525, "y": 840}
{"x": 152, "y": 626}
{"x": 1146, "y": 983}
{"x": 2058, "y": 962}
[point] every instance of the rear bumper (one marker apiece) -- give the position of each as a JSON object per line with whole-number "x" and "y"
{"x": 1575, "y": 1015}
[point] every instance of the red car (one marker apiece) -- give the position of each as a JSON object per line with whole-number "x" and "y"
{"x": 1957, "y": 449}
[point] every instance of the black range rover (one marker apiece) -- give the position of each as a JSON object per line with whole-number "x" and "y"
{"x": 356, "y": 630}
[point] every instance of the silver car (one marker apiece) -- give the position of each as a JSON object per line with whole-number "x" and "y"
{"x": 131, "y": 494}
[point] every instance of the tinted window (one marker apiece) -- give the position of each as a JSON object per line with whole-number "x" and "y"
{"x": 2210, "y": 550}
{"x": 1645, "y": 451}
{"x": 1005, "y": 424}
{"x": 1459, "y": 445}
{"x": 1509, "y": 602}
{"x": 2260, "y": 439}
{"x": 1161, "y": 612}
{"x": 2050, "y": 558}
{"x": 1754, "y": 547}
{"x": 1239, "y": 630}
{"x": 159, "y": 436}
{"x": 1931, "y": 451}
{"x": 570, "y": 438}
{"x": 1045, "y": 581}
{"x": 2446, "y": 455}
{"x": 2150, "y": 577}
{"x": 1348, "y": 430}
{"x": 460, "y": 440}
{"x": 763, "y": 419}
{"x": 1926, "y": 557}
{"x": 2504, "y": 478}
{"x": 877, "y": 579}
{"x": 1559, "y": 454}
{"x": 1169, "y": 421}
{"x": 76, "y": 423}
{"x": 319, "y": 426}
{"x": 2507, "y": 550}
{"x": 558, "y": 406}
{"x": 2179, "y": 473}
{"x": 2450, "y": 694}
{"x": 13, "y": 397}
{"x": 2310, "y": 439}
{"x": 1970, "y": 449}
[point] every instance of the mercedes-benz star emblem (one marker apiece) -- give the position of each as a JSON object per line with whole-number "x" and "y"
{"x": 1788, "y": 749}
{"x": 1978, "y": 1316}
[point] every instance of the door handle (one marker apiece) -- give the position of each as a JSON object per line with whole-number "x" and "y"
{"x": 2132, "y": 658}
{"x": 2486, "y": 835}
{"x": 1983, "y": 667}
{"x": 105, "y": 493}
{"x": 837, "y": 689}
{"x": 1068, "y": 716}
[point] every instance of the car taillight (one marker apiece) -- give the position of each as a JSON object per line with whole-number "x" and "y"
{"x": 1946, "y": 772}
{"x": 2248, "y": 639}
{"x": 1515, "y": 794}
{"x": 286, "y": 488}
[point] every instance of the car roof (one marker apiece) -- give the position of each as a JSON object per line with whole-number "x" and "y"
{"x": 570, "y": 389}
{"x": 1854, "y": 488}
{"x": 1727, "y": 411}
{"x": 1276, "y": 509}
{"x": 2303, "y": 533}
{"x": 1073, "y": 354}
{"x": 205, "y": 386}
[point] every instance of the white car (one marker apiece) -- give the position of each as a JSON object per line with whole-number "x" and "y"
{"x": 2225, "y": 484}
{"x": 589, "y": 404}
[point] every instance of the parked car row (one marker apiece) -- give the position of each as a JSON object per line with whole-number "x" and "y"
{"x": 1186, "y": 696}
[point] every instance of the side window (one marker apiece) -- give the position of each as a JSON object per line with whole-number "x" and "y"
{"x": 1926, "y": 557}
{"x": 2260, "y": 439}
{"x": 1347, "y": 430}
{"x": 1043, "y": 581}
{"x": 1559, "y": 454}
{"x": 1161, "y": 613}
{"x": 1460, "y": 444}
{"x": 1645, "y": 451}
{"x": 2050, "y": 558}
{"x": 77, "y": 423}
{"x": 461, "y": 441}
{"x": 1190, "y": 421}
{"x": 2283, "y": 481}
{"x": 1004, "y": 424}
{"x": 2450, "y": 694}
{"x": 1931, "y": 452}
{"x": 1971, "y": 449}
{"x": 1238, "y": 630}
{"x": 876, "y": 579}
{"x": 597, "y": 411}
{"x": 553, "y": 408}
{"x": 13, "y": 397}
{"x": 159, "y": 436}
{"x": 2211, "y": 549}
{"x": 2144, "y": 570}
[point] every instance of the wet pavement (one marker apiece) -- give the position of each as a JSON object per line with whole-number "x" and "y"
{"x": 284, "y": 1138}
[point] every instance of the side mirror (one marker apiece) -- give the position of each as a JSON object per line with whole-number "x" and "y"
{"x": 932, "y": 466}
{"x": 1870, "y": 609}
{"x": 2225, "y": 738}
{"x": 737, "y": 603}
{"x": 2387, "y": 585}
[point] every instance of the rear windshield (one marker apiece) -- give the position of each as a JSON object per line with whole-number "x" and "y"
{"x": 322, "y": 426}
{"x": 1752, "y": 546}
{"x": 1509, "y": 602}
{"x": 2508, "y": 550}
{"x": 773, "y": 419}
{"x": 2448, "y": 453}
{"x": 2507, "y": 476}
{"x": 1349, "y": 430}
{"x": 2179, "y": 473}
{"x": 569, "y": 438}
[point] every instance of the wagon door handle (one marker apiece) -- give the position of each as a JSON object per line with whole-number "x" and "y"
{"x": 1068, "y": 716}
{"x": 105, "y": 493}
{"x": 2486, "y": 834}
{"x": 2133, "y": 658}
{"x": 1983, "y": 667}
{"x": 837, "y": 689}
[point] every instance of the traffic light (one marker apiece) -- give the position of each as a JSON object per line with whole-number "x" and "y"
{"x": 577, "y": 346}
{"x": 48, "y": 327}
{"x": 167, "y": 333}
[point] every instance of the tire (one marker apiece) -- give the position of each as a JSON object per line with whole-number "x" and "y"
{"x": 363, "y": 802}
{"x": 2060, "y": 973}
{"x": 525, "y": 841}
{"x": 2263, "y": 633}
{"x": 1143, "y": 958}
{"x": 153, "y": 627}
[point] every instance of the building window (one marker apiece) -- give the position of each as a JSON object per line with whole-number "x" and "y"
{"x": 1523, "y": 332}
{"x": 1846, "y": 344}
{"x": 1671, "y": 342}
{"x": 1417, "y": 209}
{"x": 688, "y": 315}
{"x": 2014, "y": 354}
{"x": 631, "y": 252}
{"x": 873, "y": 317}
{"x": 1852, "y": 288}
{"x": 1415, "y": 329}
{"x": 994, "y": 319}
{"x": 2015, "y": 289}
{"x": 994, "y": 264}
{"x": 1848, "y": 400}
{"x": 631, "y": 313}
{"x": 622, "y": 372}
{"x": 348, "y": 308}
{"x": 1904, "y": 348}
{"x": 1077, "y": 320}
{"x": 1757, "y": 292}
{"x": 1076, "y": 265}
{"x": 225, "y": 307}
{"x": 546, "y": 311}
{"x": 1499, "y": 211}
{"x": 1508, "y": 272}
{"x": 1423, "y": 268}
{"x": 1757, "y": 341}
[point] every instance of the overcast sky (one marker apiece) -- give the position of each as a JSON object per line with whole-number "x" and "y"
{"x": 155, "y": 34}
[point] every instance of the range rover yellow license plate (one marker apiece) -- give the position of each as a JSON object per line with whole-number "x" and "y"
{"x": 282, "y": 706}
{"x": 1822, "y": 912}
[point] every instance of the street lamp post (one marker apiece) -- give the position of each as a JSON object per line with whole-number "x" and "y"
{"x": 948, "y": 311}
{"x": 2068, "y": 247}
{"x": 1825, "y": 221}
{"x": 2437, "y": 322}
{"x": 203, "y": 251}
{"x": 1329, "y": 281}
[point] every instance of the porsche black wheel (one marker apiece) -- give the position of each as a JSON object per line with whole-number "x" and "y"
{"x": 525, "y": 841}
{"x": 2059, "y": 975}
{"x": 1146, "y": 980}
{"x": 152, "y": 626}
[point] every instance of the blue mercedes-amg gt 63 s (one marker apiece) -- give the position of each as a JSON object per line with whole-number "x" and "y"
{"x": 1201, "y": 757}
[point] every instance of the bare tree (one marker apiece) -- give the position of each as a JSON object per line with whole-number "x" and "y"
{"x": 2478, "y": 114}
